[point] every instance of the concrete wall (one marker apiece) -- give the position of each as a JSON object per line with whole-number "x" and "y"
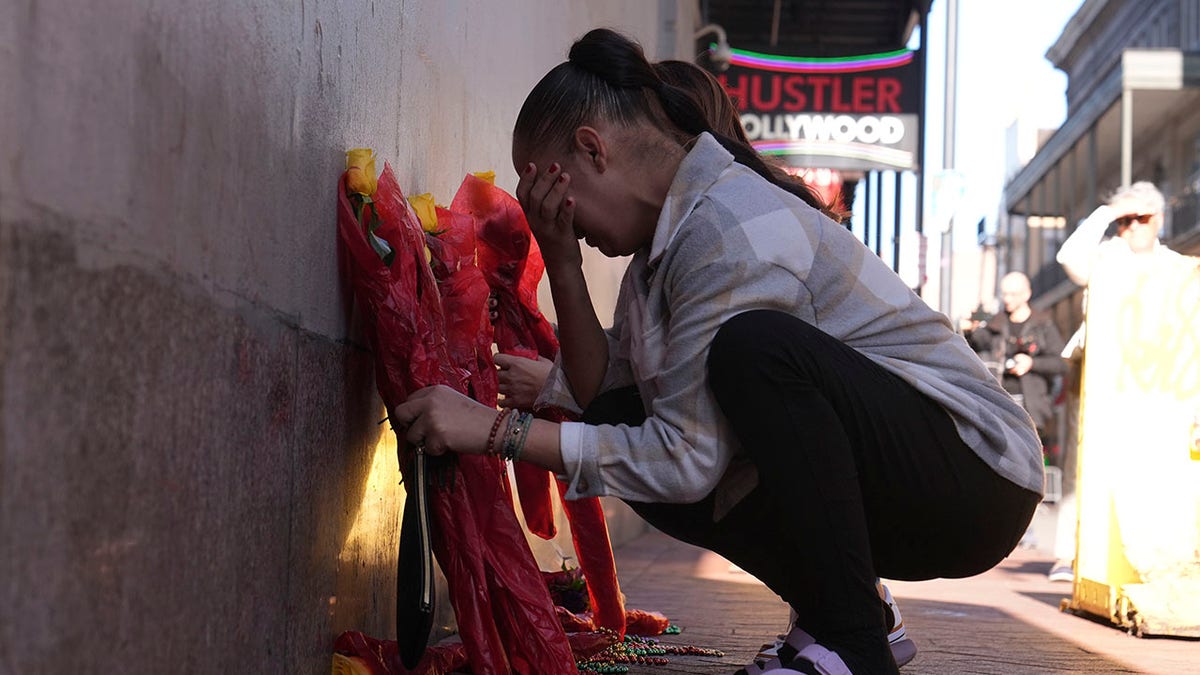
{"x": 191, "y": 474}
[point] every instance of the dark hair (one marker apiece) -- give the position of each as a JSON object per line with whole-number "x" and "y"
{"x": 608, "y": 77}
{"x": 710, "y": 95}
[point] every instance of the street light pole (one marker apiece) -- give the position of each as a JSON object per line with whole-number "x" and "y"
{"x": 947, "y": 281}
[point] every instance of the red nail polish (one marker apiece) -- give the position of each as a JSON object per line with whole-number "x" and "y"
{"x": 562, "y": 178}
{"x": 570, "y": 201}
{"x": 529, "y": 168}
{"x": 553, "y": 168}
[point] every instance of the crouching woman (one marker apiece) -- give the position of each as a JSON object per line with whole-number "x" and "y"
{"x": 769, "y": 390}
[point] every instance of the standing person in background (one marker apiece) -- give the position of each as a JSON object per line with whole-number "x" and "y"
{"x": 770, "y": 389}
{"x": 1126, "y": 229}
{"x": 1028, "y": 348}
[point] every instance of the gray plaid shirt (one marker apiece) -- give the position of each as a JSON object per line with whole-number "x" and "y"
{"x": 728, "y": 241}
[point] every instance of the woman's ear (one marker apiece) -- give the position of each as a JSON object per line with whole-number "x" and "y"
{"x": 589, "y": 142}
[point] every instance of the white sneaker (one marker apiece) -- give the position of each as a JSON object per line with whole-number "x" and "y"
{"x": 800, "y": 648}
{"x": 903, "y": 649}
{"x": 771, "y": 650}
{"x": 1061, "y": 572}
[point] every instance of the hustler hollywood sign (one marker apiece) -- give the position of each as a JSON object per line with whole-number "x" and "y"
{"x": 847, "y": 113}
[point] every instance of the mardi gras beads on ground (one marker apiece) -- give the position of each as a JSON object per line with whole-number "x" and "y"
{"x": 641, "y": 651}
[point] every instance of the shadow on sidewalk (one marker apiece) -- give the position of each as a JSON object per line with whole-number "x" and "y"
{"x": 718, "y": 606}
{"x": 955, "y": 638}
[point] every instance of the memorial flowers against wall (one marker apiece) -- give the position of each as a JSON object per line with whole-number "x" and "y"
{"x": 513, "y": 578}
{"x": 502, "y": 608}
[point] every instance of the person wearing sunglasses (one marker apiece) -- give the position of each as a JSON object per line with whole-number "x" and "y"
{"x": 1126, "y": 227}
{"x": 1136, "y": 213}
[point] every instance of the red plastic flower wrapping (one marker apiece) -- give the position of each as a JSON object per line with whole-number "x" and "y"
{"x": 503, "y": 610}
{"x": 512, "y": 264}
{"x": 422, "y": 293}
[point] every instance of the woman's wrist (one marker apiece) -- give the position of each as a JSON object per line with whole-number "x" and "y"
{"x": 564, "y": 269}
{"x": 515, "y": 435}
{"x": 542, "y": 446}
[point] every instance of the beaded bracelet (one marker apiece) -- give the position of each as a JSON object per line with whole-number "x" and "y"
{"x": 511, "y": 434}
{"x": 490, "y": 448}
{"x": 527, "y": 423}
{"x": 510, "y": 429}
{"x": 514, "y": 436}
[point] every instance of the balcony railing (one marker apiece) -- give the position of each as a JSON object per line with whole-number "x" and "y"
{"x": 1185, "y": 208}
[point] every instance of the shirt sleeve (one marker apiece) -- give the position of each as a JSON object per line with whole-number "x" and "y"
{"x": 681, "y": 451}
{"x": 1078, "y": 253}
{"x": 557, "y": 393}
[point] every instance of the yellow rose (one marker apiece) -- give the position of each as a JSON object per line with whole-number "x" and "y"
{"x": 349, "y": 665}
{"x": 489, "y": 176}
{"x": 426, "y": 211}
{"x": 360, "y": 171}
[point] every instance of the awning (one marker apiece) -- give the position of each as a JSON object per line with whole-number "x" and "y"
{"x": 816, "y": 27}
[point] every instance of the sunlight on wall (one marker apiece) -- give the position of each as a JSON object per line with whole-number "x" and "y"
{"x": 369, "y": 550}
{"x": 383, "y": 497}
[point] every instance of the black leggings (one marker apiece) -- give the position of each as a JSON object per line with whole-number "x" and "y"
{"x": 860, "y": 475}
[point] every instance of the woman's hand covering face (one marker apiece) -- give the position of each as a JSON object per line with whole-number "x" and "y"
{"x": 551, "y": 214}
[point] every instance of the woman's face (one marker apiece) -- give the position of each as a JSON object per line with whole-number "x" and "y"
{"x": 607, "y": 214}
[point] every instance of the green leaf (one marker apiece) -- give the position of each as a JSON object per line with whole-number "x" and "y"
{"x": 380, "y": 245}
{"x": 382, "y": 249}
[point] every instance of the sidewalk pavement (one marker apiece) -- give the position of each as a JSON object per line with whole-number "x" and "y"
{"x": 1006, "y": 620}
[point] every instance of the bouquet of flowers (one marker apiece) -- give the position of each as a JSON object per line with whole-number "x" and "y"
{"x": 503, "y": 609}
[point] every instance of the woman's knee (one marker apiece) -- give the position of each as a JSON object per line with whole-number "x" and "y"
{"x": 758, "y": 341}
{"x": 739, "y": 336}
